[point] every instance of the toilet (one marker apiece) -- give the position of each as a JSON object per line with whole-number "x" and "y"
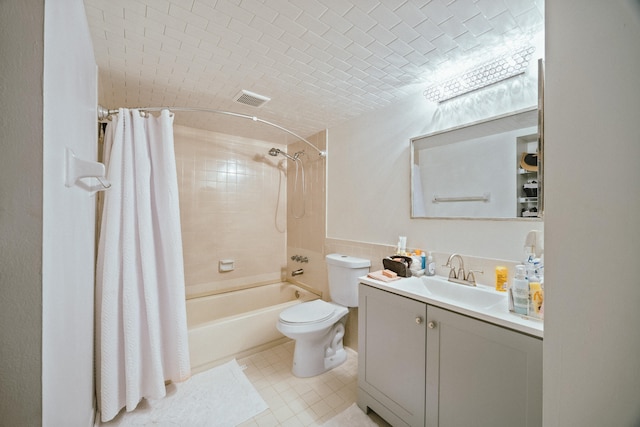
{"x": 318, "y": 326}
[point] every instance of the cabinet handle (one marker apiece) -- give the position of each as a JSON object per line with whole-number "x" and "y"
{"x": 418, "y": 320}
{"x": 431, "y": 325}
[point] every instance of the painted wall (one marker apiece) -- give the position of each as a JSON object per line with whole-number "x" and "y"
{"x": 47, "y": 244}
{"x": 592, "y": 309}
{"x": 21, "y": 47}
{"x": 369, "y": 180}
{"x": 68, "y": 222}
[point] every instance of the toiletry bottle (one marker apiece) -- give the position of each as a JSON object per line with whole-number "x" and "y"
{"x": 416, "y": 265}
{"x": 430, "y": 269}
{"x": 501, "y": 278}
{"x": 536, "y": 293}
{"x": 402, "y": 246}
{"x": 520, "y": 290}
{"x": 423, "y": 260}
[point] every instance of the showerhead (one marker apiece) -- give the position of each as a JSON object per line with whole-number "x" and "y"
{"x": 275, "y": 151}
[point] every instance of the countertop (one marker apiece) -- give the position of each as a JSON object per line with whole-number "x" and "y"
{"x": 497, "y": 314}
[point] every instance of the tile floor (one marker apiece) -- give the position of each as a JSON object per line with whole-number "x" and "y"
{"x": 296, "y": 401}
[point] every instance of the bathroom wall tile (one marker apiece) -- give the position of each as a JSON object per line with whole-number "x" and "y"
{"x": 306, "y": 233}
{"x": 232, "y": 202}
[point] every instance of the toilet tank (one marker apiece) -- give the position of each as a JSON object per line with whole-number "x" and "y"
{"x": 343, "y": 271}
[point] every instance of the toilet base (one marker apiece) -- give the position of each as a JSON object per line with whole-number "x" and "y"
{"x": 336, "y": 360}
{"x": 311, "y": 358}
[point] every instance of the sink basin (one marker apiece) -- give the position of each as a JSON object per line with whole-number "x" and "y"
{"x": 469, "y": 296}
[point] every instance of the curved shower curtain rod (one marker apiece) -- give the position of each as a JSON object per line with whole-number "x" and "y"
{"x": 104, "y": 113}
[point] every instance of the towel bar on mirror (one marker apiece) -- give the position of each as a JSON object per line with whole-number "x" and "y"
{"x": 484, "y": 198}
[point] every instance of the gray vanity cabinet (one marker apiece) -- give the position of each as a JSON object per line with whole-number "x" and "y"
{"x": 391, "y": 356}
{"x": 479, "y": 374}
{"x": 420, "y": 365}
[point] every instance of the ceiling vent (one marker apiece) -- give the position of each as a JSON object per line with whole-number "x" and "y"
{"x": 250, "y": 98}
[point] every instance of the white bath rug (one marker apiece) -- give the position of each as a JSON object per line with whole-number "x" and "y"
{"x": 350, "y": 417}
{"x": 220, "y": 397}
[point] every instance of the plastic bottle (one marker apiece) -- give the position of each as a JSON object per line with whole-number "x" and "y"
{"x": 520, "y": 290}
{"x": 423, "y": 259}
{"x": 536, "y": 292}
{"x": 415, "y": 268}
{"x": 430, "y": 269}
{"x": 402, "y": 245}
{"x": 501, "y": 278}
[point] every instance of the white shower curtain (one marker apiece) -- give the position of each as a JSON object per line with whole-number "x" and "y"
{"x": 141, "y": 326}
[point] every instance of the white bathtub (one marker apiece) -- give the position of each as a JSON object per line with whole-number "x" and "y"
{"x": 238, "y": 323}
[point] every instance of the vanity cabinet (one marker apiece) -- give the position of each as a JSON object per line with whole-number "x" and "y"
{"x": 391, "y": 356}
{"x": 421, "y": 365}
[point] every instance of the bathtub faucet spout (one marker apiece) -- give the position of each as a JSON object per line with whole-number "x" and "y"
{"x": 297, "y": 272}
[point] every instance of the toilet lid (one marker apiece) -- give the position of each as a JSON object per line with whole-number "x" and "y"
{"x": 308, "y": 312}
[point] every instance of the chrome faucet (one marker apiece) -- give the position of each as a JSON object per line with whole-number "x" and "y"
{"x": 452, "y": 272}
{"x": 459, "y": 276}
{"x": 297, "y": 272}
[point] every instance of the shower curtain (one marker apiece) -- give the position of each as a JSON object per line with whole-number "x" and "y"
{"x": 141, "y": 326}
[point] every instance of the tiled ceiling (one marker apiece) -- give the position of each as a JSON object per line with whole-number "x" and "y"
{"x": 320, "y": 61}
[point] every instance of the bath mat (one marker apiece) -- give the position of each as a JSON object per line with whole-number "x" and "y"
{"x": 220, "y": 397}
{"x": 350, "y": 417}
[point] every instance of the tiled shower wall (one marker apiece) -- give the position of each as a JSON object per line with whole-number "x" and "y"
{"x": 306, "y": 222}
{"x": 232, "y": 207}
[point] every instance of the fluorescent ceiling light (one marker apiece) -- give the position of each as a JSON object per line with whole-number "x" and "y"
{"x": 505, "y": 66}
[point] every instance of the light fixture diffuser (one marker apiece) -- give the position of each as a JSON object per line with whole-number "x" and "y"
{"x": 506, "y": 66}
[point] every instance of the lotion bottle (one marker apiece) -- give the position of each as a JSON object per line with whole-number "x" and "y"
{"x": 520, "y": 291}
{"x": 430, "y": 269}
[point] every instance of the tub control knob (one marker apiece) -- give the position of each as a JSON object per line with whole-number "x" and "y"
{"x": 418, "y": 320}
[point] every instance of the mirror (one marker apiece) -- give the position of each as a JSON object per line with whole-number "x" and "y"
{"x": 488, "y": 169}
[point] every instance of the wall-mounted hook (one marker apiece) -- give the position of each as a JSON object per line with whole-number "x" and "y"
{"x": 77, "y": 169}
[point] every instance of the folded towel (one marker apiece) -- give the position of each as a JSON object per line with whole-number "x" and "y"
{"x": 378, "y": 275}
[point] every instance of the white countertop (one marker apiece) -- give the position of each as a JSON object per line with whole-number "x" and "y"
{"x": 417, "y": 288}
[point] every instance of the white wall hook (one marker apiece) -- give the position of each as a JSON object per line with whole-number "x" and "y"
{"x": 78, "y": 169}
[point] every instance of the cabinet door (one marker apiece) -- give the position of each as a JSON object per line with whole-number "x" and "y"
{"x": 480, "y": 374}
{"x": 391, "y": 366}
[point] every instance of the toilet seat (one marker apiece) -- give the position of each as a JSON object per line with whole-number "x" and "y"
{"x": 315, "y": 311}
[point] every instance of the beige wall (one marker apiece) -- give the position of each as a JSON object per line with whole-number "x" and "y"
{"x": 368, "y": 185}
{"x": 592, "y": 303}
{"x": 232, "y": 206}
{"x": 306, "y": 226}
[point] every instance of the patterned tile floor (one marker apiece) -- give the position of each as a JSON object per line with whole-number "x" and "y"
{"x": 296, "y": 401}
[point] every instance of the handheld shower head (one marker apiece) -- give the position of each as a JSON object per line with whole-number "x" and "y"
{"x": 275, "y": 151}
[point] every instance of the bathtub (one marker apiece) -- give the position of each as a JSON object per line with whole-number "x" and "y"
{"x": 238, "y": 323}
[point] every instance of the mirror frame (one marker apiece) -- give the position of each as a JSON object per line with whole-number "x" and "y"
{"x": 479, "y": 129}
